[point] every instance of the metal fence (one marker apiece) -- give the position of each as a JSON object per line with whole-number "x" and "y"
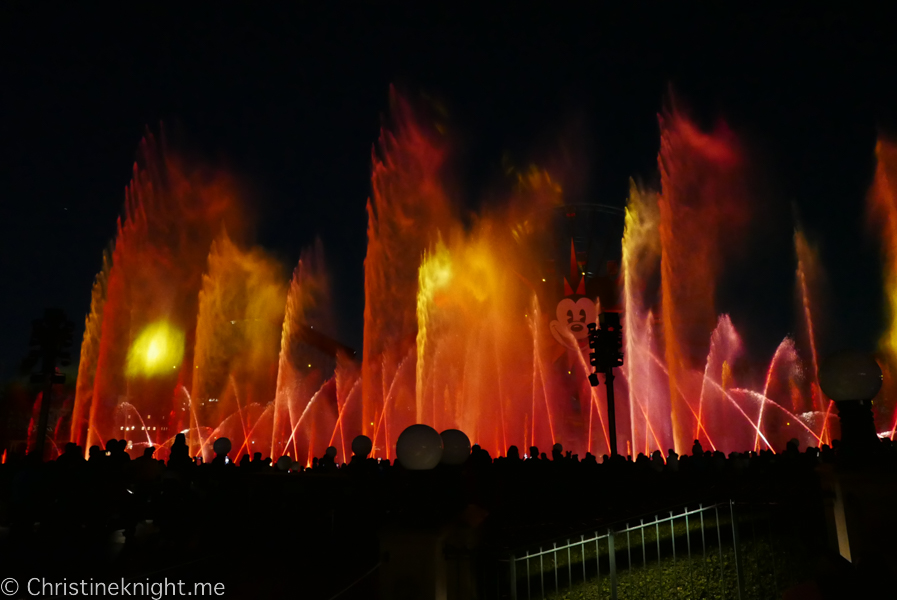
{"x": 725, "y": 550}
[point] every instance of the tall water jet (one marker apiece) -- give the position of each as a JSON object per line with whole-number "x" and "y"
{"x": 407, "y": 207}
{"x": 82, "y": 411}
{"x": 808, "y": 282}
{"x": 171, "y": 215}
{"x": 648, "y": 391}
{"x": 882, "y": 215}
{"x": 699, "y": 201}
{"x": 301, "y": 369}
{"x": 347, "y": 376}
{"x": 471, "y": 309}
{"x": 238, "y": 334}
{"x": 713, "y": 402}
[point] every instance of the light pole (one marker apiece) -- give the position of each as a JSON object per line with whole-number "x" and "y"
{"x": 859, "y": 495}
{"x": 852, "y": 380}
{"x": 607, "y": 352}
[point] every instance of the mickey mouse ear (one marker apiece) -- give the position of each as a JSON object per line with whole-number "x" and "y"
{"x": 568, "y": 291}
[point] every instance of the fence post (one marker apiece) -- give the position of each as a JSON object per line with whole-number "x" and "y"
{"x": 739, "y": 579}
{"x": 513, "y": 574}
{"x": 612, "y": 559}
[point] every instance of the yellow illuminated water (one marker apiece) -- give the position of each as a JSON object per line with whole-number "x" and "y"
{"x": 158, "y": 349}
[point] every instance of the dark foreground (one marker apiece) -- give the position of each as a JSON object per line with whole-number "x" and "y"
{"x": 258, "y": 532}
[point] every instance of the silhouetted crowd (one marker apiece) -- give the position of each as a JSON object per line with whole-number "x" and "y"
{"x": 172, "y": 511}
{"x": 110, "y": 491}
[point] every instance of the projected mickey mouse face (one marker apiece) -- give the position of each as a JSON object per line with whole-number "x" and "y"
{"x": 575, "y": 314}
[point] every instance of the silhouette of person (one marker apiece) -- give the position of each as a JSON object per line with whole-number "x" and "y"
{"x": 557, "y": 452}
{"x": 672, "y": 460}
{"x": 179, "y": 457}
{"x": 256, "y": 464}
{"x": 95, "y": 454}
{"x": 697, "y": 449}
{"x": 657, "y": 461}
{"x": 71, "y": 456}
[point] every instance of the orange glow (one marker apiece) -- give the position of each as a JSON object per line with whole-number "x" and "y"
{"x": 238, "y": 334}
{"x": 882, "y": 218}
{"x": 460, "y": 311}
{"x": 87, "y": 365}
{"x": 700, "y": 189}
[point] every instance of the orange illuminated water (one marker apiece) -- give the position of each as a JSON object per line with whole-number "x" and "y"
{"x": 192, "y": 330}
{"x": 882, "y": 211}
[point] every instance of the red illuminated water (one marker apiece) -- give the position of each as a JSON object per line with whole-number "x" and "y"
{"x": 193, "y": 331}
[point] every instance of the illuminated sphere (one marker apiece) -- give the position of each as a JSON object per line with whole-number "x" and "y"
{"x": 455, "y": 447}
{"x": 221, "y": 446}
{"x": 284, "y": 463}
{"x": 362, "y": 446}
{"x": 419, "y": 448}
{"x": 850, "y": 376}
{"x": 330, "y": 451}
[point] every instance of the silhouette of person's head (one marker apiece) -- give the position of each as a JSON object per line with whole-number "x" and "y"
{"x": 179, "y": 447}
{"x": 557, "y": 452}
{"x": 329, "y": 458}
{"x": 179, "y": 455}
{"x": 513, "y": 453}
{"x": 111, "y": 446}
{"x": 533, "y": 452}
{"x": 148, "y": 452}
{"x": 697, "y": 449}
{"x": 793, "y": 446}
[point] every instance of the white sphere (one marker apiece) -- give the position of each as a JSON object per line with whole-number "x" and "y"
{"x": 419, "y": 448}
{"x": 362, "y": 446}
{"x": 284, "y": 463}
{"x": 221, "y": 446}
{"x": 850, "y": 376}
{"x": 456, "y": 447}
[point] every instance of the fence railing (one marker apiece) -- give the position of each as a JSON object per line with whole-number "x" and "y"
{"x": 705, "y": 552}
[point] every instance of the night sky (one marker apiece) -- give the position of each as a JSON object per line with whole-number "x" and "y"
{"x": 291, "y": 101}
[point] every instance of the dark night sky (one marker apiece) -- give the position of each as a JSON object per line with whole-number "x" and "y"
{"x": 292, "y": 99}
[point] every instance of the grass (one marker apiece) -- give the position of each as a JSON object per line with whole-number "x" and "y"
{"x": 772, "y": 558}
